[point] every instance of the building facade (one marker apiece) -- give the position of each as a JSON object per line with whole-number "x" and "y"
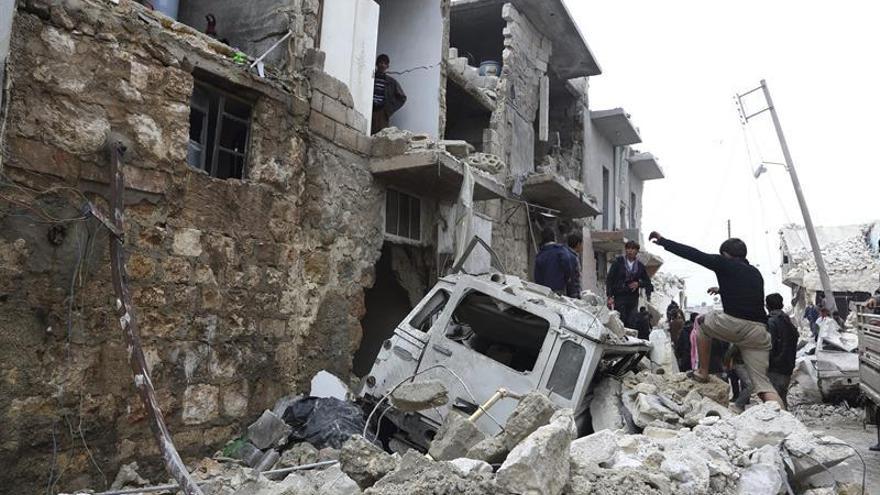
{"x": 268, "y": 236}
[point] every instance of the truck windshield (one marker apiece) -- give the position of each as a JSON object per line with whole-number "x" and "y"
{"x": 505, "y": 333}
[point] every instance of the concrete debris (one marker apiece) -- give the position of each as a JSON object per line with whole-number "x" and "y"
{"x": 128, "y": 477}
{"x": 666, "y": 401}
{"x": 416, "y": 474}
{"x": 467, "y": 466}
{"x": 827, "y": 413}
{"x": 456, "y": 148}
{"x": 364, "y": 462}
{"x": 418, "y": 396}
{"x": 765, "y": 475}
{"x": 532, "y": 412}
{"x": 539, "y": 464}
{"x": 268, "y": 431}
{"x": 605, "y": 408}
{"x": 390, "y": 141}
{"x": 487, "y": 162}
{"x": 299, "y": 454}
{"x": 326, "y": 384}
{"x": 454, "y": 438}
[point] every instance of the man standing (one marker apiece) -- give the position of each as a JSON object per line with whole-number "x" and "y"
{"x": 811, "y": 313}
{"x": 625, "y": 277}
{"x": 554, "y": 265}
{"x": 743, "y": 321}
{"x": 784, "y": 337}
{"x": 575, "y": 246}
{"x": 388, "y": 96}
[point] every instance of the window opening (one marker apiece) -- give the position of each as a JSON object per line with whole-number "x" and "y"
{"x": 566, "y": 369}
{"x": 499, "y": 331}
{"x": 219, "y": 130}
{"x": 425, "y": 318}
{"x": 403, "y": 215}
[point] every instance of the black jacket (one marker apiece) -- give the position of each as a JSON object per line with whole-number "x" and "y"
{"x": 741, "y": 284}
{"x": 394, "y": 95}
{"x": 785, "y": 338}
{"x": 618, "y": 279}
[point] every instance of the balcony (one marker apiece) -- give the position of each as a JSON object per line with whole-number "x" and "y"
{"x": 616, "y": 126}
{"x": 553, "y": 191}
{"x": 645, "y": 166}
{"x": 433, "y": 174}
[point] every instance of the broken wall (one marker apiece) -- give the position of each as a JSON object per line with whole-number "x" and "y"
{"x": 254, "y": 26}
{"x": 243, "y": 289}
{"x": 511, "y": 239}
{"x": 7, "y": 9}
{"x": 525, "y": 58}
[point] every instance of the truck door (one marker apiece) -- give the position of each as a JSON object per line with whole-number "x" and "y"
{"x": 489, "y": 340}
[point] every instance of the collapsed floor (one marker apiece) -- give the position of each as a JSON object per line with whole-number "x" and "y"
{"x": 663, "y": 435}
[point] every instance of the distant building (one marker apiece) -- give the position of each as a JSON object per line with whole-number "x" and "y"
{"x": 851, "y": 258}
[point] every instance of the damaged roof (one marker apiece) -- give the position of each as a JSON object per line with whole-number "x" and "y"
{"x": 571, "y": 57}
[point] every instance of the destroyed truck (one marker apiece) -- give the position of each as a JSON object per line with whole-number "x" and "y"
{"x": 490, "y": 339}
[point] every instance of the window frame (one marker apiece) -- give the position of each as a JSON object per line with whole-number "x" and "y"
{"x": 221, "y": 95}
{"x": 397, "y": 238}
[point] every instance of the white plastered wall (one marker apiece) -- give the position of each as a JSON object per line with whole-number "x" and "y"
{"x": 411, "y": 34}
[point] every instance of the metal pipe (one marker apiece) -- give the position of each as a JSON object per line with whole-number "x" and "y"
{"x": 484, "y": 409}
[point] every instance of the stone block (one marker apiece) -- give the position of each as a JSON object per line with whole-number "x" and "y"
{"x": 540, "y": 464}
{"x": 322, "y": 125}
{"x": 187, "y": 242}
{"x": 325, "y": 83}
{"x": 467, "y": 466}
{"x": 457, "y": 65}
{"x": 335, "y": 110}
{"x": 345, "y": 96}
{"x": 346, "y": 137}
{"x": 453, "y": 52}
{"x": 314, "y": 59}
{"x": 299, "y": 106}
{"x": 592, "y": 451}
{"x": 364, "y": 144}
{"x": 364, "y": 462}
{"x": 268, "y": 431}
{"x": 356, "y": 121}
{"x": 317, "y": 102}
{"x": 201, "y": 404}
{"x": 454, "y": 438}
{"x": 418, "y": 396}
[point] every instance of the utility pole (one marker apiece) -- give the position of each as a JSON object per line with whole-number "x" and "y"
{"x": 830, "y": 303}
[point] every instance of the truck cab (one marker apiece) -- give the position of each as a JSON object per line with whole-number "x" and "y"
{"x": 482, "y": 334}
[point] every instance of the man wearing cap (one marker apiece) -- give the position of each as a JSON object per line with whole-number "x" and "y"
{"x": 742, "y": 321}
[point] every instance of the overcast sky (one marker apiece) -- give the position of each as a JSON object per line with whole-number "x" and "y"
{"x": 675, "y": 66}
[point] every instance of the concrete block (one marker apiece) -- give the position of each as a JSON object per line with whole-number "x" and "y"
{"x": 317, "y": 102}
{"x": 335, "y": 110}
{"x": 471, "y": 74}
{"x": 364, "y": 462}
{"x": 457, "y": 65}
{"x": 325, "y": 83}
{"x": 418, "y": 396}
{"x": 268, "y": 431}
{"x": 346, "y": 137}
{"x": 356, "y": 121}
{"x": 345, "y": 96}
{"x": 454, "y": 438}
{"x": 453, "y": 52}
{"x": 323, "y": 125}
{"x": 364, "y": 144}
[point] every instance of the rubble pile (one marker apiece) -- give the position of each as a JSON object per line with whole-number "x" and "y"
{"x": 828, "y": 413}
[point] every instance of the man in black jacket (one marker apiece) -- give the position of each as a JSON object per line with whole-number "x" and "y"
{"x": 625, "y": 277}
{"x": 784, "y": 337}
{"x": 388, "y": 95}
{"x": 743, "y": 321}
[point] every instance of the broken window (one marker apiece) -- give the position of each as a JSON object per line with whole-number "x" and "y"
{"x": 403, "y": 215}
{"x": 219, "y": 128}
{"x": 566, "y": 369}
{"x": 500, "y": 331}
{"x": 429, "y": 313}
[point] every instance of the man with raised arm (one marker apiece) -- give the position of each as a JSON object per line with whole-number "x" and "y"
{"x": 742, "y": 321}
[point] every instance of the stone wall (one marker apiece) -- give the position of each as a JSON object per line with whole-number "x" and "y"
{"x": 243, "y": 288}
{"x": 510, "y": 234}
{"x": 525, "y": 57}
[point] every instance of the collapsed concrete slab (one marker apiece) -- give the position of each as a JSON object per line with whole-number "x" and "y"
{"x": 455, "y": 438}
{"x": 418, "y": 396}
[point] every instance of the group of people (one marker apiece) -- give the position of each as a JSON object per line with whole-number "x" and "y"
{"x": 753, "y": 346}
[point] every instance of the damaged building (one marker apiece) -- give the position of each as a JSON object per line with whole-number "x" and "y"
{"x": 268, "y": 236}
{"x": 851, "y": 257}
